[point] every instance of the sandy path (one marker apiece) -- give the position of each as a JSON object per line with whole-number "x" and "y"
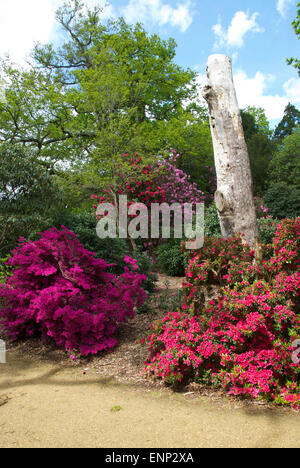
{"x": 50, "y": 405}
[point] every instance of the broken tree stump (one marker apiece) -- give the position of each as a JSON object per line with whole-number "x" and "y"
{"x": 234, "y": 196}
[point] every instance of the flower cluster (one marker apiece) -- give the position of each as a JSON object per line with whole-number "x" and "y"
{"x": 158, "y": 182}
{"x": 243, "y": 340}
{"x": 59, "y": 290}
{"x": 176, "y": 184}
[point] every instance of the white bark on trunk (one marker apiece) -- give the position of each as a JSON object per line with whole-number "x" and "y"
{"x": 234, "y": 195}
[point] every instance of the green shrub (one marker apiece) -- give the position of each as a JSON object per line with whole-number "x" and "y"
{"x": 4, "y": 269}
{"x": 283, "y": 200}
{"x": 211, "y": 222}
{"x": 170, "y": 258}
{"x": 12, "y": 227}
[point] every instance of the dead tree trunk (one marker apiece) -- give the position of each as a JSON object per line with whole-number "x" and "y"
{"x": 234, "y": 195}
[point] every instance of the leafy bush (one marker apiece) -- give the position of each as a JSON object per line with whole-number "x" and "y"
{"x": 13, "y": 227}
{"x": 5, "y": 271}
{"x": 145, "y": 267}
{"x": 243, "y": 340}
{"x": 212, "y": 222}
{"x": 170, "y": 258}
{"x": 59, "y": 290}
{"x": 267, "y": 229}
{"x": 29, "y": 195}
{"x": 283, "y": 200}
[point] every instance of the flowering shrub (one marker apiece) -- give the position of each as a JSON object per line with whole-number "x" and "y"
{"x": 59, "y": 290}
{"x": 243, "y": 339}
{"x": 267, "y": 229}
{"x": 158, "y": 181}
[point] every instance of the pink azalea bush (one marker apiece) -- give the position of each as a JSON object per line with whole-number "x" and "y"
{"x": 243, "y": 340}
{"x": 59, "y": 290}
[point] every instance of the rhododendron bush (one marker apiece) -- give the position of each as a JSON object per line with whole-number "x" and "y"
{"x": 146, "y": 182}
{"x": 155, "y": 181}
{"x": 59, "y": 290}
{"x": 242, "y": 340}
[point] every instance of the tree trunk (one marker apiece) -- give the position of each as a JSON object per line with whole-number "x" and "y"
{"x": 234, "y": 195}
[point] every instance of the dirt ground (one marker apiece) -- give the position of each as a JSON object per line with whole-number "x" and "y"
{"x": 46, "y": 400}
{"x": 44, "y": 404}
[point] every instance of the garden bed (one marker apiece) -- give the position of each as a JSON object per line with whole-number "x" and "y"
{"x": 125, "y": 363}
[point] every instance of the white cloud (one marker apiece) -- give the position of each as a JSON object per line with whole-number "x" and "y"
{"x": 22, "y": 22}
{"x": 283, "y": 5}
{"x": 241, "y": 24}
{"x": 252, "y": 92}
{"x": 292, "y": 90}
{"x": 158, "y": 12}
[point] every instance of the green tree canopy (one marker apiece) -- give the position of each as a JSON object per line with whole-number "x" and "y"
{"x": 106, "y": 90}
{"x": 29, "y": 195}
{"x": 288, "y": 123}
{"x": 260, "y": 146}
{"x": 285, "y": 164}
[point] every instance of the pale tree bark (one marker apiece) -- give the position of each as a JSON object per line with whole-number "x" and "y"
{"x": 234, "y": 196}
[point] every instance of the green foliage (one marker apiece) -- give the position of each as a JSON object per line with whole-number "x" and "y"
{"x": 13, "y": 227}
{"x": 145, "y": 267}
{"x": 285, "y": 164}
{"x": 24, "y": 182}
{"x": 255, "y": 121}
{"x": 4, "y": 269}
{"x": 288, "y": 123}
{"x": 283, "y": 200}
{"x": 189, "y": 134}
{"x": 260, "y": 149}
{"x": 212, "y": 222}
{"x": 29, "y": 196}
{"x": 260, "y": 146}
{"x": 108, "y": 89}
{"x": 170, "y": 300}
{"x": 170, "y": 258}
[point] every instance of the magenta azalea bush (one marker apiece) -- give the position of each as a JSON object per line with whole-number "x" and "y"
{"x": 243, "y": 340}
{"x": 59, "y": 290}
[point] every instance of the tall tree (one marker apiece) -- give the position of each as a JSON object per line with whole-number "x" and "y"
{"x": 285, "y": 164}
{"x": 288, "y": 123}
{"x": 106, "y": 90}
{"x": 234, "y": 196}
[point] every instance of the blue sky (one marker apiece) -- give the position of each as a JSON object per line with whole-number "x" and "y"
{"x": 257, "y": 34}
